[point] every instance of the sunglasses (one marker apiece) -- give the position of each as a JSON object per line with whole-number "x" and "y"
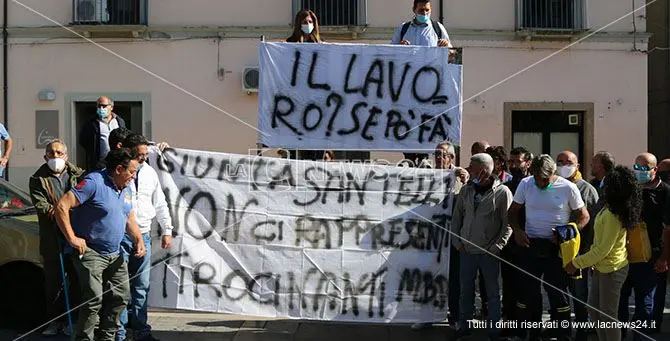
{"x": 641, "y": 168}
{"x": 102, "y": 105}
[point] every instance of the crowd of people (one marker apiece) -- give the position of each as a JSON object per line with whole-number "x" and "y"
{"x": 101, "y": 218}
{"x": 506, "y": 219}
{"x": 515, "y": 217}
{"x": 509, "y": 221}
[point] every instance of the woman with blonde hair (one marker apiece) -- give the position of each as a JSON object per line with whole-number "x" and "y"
{"x": 305, "y": 28}
{"x": 608, "y": 254}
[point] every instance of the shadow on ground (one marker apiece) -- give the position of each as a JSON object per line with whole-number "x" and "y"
{"x": 213, "y": 327}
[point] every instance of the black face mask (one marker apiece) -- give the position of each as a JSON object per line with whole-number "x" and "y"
{"x": 664, "y": 176}
{"x": 516, "y": 172}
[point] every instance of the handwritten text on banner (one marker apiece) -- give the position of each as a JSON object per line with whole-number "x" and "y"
{"x": 358, "y": 96}
{"x": 296, "y": 239}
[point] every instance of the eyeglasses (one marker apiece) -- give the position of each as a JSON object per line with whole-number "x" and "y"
{"x": 103, "y": 105}
{"x": 641, "y": 168}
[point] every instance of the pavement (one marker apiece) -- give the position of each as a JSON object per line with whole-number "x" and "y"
{"x": 196, "y": 326}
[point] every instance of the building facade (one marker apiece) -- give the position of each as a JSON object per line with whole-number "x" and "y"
{"x": 658, "y": 16}
{"x": 547, "y": 74}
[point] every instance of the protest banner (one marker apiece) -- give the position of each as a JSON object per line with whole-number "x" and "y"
{"x": 358, "y": 97}
{"x": 283, "y": 238}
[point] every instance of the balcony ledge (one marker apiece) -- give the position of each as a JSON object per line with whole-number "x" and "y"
{"x": 328, "y": 33}
{"x": 109, "y": 31}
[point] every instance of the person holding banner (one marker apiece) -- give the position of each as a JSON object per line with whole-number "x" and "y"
{"x": 421, "y": 30}
{"x": 305, "y": 28}
{"x": 481, "y": 232}
{"x": 444, "y": 158}
{"x": 150, "y": 203}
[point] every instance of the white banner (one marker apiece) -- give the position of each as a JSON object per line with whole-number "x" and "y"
{"x": 307, "y": 240}
{"x": 358, "y": 97}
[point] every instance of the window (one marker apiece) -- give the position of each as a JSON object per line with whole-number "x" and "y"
{"x": 12, "y": 198}
{"x": 109, "y": 12}
{"x": 551, "y": 14}
{"x": 334, "y": 12}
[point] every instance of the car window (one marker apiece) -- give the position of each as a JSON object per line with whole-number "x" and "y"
{"x": 12, "y": 199}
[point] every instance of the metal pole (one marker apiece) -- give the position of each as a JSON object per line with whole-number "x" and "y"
{"x": 67, "y": 294}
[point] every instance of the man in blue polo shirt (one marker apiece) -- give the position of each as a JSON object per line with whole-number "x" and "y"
{"x": 102, "y": 212}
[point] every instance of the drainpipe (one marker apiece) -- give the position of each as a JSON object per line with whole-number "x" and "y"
{"x": 441, "y": 11}
{"x": 5, "y": 87}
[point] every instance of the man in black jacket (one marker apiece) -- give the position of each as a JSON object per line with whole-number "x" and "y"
{"x": 95, "y": 134}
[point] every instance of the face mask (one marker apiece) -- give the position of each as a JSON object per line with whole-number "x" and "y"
{"x": 478, "y": 180}
{"x": 102, "y": 113}
{"x": 423, "y": 18}
{"x": 307, "y": 28}
{"x": 546, "y": 188}
{"x": 663, "y": 175}
{"x": 643, "y": 177}
{"x": 566, "y": 171}
{"x": 56, "y": 164}
{"x": 516, "y": 172}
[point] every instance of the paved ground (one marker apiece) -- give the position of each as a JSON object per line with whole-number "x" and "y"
{"x": 188, "y": 326}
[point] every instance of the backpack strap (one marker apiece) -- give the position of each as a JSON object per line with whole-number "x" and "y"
{"x": 404, "y": 29}
{"x": 438, "y": 30}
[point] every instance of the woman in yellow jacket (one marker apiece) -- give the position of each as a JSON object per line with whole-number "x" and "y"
{"x": 608, "y": 255}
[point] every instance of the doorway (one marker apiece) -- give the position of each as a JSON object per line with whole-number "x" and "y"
{"x": 130, "y": 111}
{"x": 549, "y": 132}
{"x": 549, "y": 128}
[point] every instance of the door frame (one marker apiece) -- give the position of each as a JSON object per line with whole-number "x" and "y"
{"x": 70, "y": 112}
{"x": 587, "y": 108}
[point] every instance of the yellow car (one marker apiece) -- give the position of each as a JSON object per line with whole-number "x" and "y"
{"x": 21, "y": 277}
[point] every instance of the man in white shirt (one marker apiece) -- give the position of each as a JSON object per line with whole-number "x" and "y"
{"x": 549, "y": 201}
{"x": 149, "y": 201}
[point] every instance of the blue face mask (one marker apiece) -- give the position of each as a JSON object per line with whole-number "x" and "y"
{"x": 423, "y": 18}
{"x": 643, "y": 177}
{"x": 102, "y": 113}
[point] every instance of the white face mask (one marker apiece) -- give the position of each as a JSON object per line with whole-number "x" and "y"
{"x": 307, "y": 28}
{"x": 566, "y": 171}
{"x": 56, "y": 164}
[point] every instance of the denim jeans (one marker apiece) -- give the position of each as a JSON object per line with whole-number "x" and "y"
{"x": 579, "y": 288}
{"x": 641, "y": 281}
{"x": 490, "y": 269}
{"x": 135, "y": 316}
